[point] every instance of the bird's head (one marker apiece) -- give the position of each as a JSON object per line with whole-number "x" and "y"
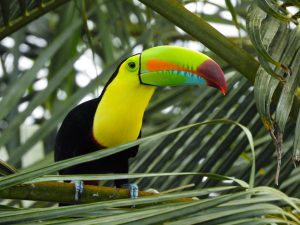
{"x": 127, "y": 94}
{"x": 172, "y": 66}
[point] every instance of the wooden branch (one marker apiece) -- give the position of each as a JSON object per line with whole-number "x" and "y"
{"x": 65, "y": 192}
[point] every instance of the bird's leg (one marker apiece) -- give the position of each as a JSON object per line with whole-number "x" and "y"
{"x": 123, "y": 168}
{"x": 133, "y": 189}
{"x": 78, "y": 184}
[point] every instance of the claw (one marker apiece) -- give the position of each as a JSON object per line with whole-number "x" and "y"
{"x": 133, "y": 190}
{"x": 78, "y": 184}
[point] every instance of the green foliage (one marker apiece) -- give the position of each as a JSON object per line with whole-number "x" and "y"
{"x": 279, "y": 45}
{"x": 57, "y": 37}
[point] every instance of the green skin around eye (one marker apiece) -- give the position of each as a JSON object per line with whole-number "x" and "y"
{"x": 132, "y": 63}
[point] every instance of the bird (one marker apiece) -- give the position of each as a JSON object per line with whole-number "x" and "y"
{"x": 116, "y": 116}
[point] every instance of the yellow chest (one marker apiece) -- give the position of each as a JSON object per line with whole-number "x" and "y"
{"x": 119, "y": 115}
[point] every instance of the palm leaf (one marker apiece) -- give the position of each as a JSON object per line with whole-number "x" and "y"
{"x": 115, "y": 29}
{"x": 16, "y": 14}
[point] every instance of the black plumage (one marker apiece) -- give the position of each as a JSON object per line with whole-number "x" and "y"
{"x": 75, "y": 138}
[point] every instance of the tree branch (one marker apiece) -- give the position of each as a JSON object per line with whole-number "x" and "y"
{"x": 65, "y": 192}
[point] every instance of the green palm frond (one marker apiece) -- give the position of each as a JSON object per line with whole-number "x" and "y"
{"x": 16, "y": 14}
{"x": 212, "y": 162}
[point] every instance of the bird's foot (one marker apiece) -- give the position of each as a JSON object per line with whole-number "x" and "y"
{"x": 133, "y": 190}
{"x": 78, "y": 184}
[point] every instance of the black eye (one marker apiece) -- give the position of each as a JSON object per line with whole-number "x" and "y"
{"x": 131, "y": 65}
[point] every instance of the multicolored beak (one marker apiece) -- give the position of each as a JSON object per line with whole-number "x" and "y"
{"x": 170, "y": 66}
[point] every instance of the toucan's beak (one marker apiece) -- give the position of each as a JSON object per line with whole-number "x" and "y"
{"x": 171, "y": 65}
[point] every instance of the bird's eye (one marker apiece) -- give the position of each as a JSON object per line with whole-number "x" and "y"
{"x": 131, "y": 66}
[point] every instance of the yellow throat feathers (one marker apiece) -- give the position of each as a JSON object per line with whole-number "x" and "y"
{"x": 119, "y": 115}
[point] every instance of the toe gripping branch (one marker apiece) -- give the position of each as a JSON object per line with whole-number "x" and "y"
{"x": 78, "y": 184}
{"x": 133, "y": 190}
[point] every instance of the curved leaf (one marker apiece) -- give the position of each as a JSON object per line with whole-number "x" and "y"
{"x": 14, "y": 179}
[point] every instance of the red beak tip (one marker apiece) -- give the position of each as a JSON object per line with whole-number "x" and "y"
{"x": 213, "y": 74}
{"x": 223, "y": 91}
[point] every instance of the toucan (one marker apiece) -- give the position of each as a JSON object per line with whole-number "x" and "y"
{"x": 116, "y": 116}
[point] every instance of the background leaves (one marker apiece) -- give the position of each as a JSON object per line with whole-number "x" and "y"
{"x": 51, "y": 63}
{"x": 283, "y": 45}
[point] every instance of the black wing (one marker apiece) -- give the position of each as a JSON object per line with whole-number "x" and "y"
{"x": 75, "y": 134}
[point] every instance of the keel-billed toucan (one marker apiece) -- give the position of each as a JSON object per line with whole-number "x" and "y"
{"x": 116, "y": 116}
